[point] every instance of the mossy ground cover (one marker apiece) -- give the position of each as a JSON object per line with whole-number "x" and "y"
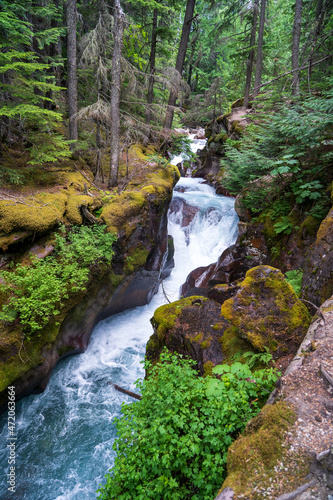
{"x": 266, "y": 312}
{"x": 165, "y": 316}
{"x": 260, "y": 460}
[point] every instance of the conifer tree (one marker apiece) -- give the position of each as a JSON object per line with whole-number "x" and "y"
{"x": 118, "y": 35}
{"x": 71, "y": 65}
{"x": 180, "y": 60}
{"x": 27, "y": 82}
{"x": 249, "y": 63}
{"x": 260, "y": 47}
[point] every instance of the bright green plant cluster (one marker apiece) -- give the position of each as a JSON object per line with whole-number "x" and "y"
{"x": 162, "y": 162}
{"x": 11, "y": 176}
{"x": 173, "y": 444}
{"x": 295, "y": 278}
{"x": 254, "y": 358}
{"x": 37, "y": 292}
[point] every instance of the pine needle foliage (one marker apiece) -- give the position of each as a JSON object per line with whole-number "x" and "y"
{"x": 27, "y": 83}
{"x": 288, "y": 154}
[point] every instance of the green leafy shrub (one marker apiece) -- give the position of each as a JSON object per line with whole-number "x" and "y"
{"x": 254, "y": 359}
{"x": 288, "y": 154}
{"x": 38, "y": 291}
{"x": 173, "y": 443}
{"x": 295, "y": 278}
{"x": 11, "y": 176}
{"x": 283, "y": 226}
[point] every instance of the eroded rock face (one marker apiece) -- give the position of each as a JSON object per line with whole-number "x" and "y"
{"x": 208, "y": 162}
{"x": 231, "y": 266}
{"x": 318, "y": 268}
{"x": 191, "y": 326}
{"x": 266, "y": 312}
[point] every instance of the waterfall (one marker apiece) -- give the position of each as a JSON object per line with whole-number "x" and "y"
{"x": 65, "y": 434}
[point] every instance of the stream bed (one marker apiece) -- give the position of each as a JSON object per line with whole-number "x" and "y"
{"x": 65, "y": 435}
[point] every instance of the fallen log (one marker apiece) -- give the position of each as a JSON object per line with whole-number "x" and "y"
{"x": 125, "y": 391}
{"x": 326, "y": 375}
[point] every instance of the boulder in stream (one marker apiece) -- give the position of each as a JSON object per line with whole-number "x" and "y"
{"x": 266, "y": 313}
{"x": 191, "y": 326}
{"x": 262, "y": 312}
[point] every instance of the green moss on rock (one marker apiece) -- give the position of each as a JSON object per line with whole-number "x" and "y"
{"x": 310, "y": 226}
{"x": 205, "y": 344}
{"x": 232, "y": 343}
{"x": 266, "y": 312}
{"x": 165, "y": 316}
{"x": 136, "y": 258}
{"x": 38, "y": 214}
{"x": 252, "y": 457}
{"x": 208, "y": 368}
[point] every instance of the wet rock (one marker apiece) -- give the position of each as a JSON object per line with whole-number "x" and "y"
{"x": 223, "y": 191}
{"x": 207, "y": 163}
{"x": 221, "y": 293}
{"x": 200, "y": 134}
{"x": 169, "y": 261}
{"x": 187, "y": 212}
{"x": 230, "y": 267}
{"x": 192, "y": 279}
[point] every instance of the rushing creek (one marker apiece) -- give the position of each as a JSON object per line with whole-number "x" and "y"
{"x": 65, "y": 435}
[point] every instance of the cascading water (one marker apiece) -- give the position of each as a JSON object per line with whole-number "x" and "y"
{"x": 65, "y": 435}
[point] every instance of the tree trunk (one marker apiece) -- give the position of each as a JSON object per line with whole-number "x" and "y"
{"x": 118, "y": 35}
{"x": 295, "y": 48}
{"x": 180, "y": 60}
{"x": 249, "y": 63}
{"x": 71, "y": 64}
{"x": 152, "y": 58}
{"x": 257, "y": 81}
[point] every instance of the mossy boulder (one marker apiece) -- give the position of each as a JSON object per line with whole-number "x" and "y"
{"x": 253, "y": 458}
{"x": 190, "y": 326}
{"x": 267, "y": 313}
{"x": 41, "y": 212}
{"x": 122, "y": 213}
